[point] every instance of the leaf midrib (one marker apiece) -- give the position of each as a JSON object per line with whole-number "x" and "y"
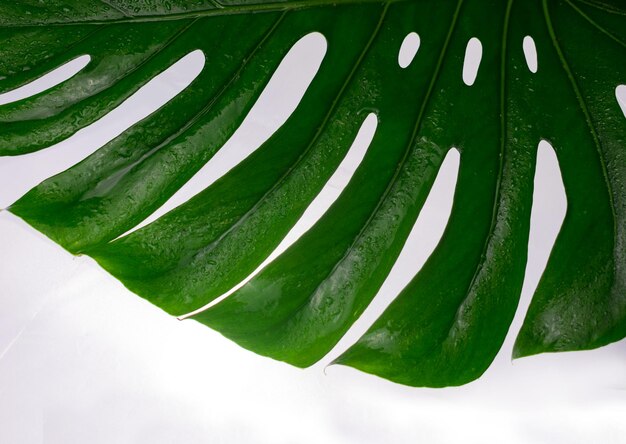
{"x": 224, "y": 10}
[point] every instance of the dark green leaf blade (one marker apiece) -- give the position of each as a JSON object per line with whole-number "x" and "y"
{"x": 580, "y": 302}
{"x": 447, "y": 325}
{"x": 123, "y": 58}
{"x": 300, "y": 305}
{"x": 130, "y": 177}
{"x": 257, "y": 202}
{"x": 412, "y": 343}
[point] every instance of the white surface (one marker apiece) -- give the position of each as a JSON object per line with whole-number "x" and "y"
{"x": 46, "y": 82}
{"x": 473, "y": 56}
{"x": 530, "y": 53}
{"x": 82, "y": 360}
{"x": 408, "y": 49}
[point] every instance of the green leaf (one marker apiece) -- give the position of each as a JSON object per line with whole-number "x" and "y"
{"x": 448, "y": 323}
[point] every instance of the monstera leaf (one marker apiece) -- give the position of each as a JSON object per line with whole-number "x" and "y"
{"x": 448, "y": 323}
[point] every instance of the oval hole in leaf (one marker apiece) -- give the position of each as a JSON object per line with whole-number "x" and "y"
{"x": 530, "y": 53}
{"x": 408, "y": 49}
{"x": 421, "y": 242}
{"x": 473, "y": 55}
{"x": 19, "y": 174}
{"x": 620, "y": 95}
{"x": 47, "y": 81}
{"x": 276, "y": 103}
{"x": 322, "y": 202}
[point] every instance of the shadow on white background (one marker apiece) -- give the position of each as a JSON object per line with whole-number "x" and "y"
{"x": 84, "y": 360}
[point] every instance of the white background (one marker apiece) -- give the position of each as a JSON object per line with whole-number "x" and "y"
{"x": 83, "y": 360}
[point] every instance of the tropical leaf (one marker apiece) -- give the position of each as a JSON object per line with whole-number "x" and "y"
{"x": 449, "y": 322}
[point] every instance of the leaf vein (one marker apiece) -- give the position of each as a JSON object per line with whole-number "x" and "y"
{"x": 602, "y": 7}
{"x": 584, "y": 108}
{"x": 502, "y": 143}
{"x": 211, "y": 102}
{"x": 417, "y": 125}
{"x": 595, "y": 24}
{"x": 317, "y": 134}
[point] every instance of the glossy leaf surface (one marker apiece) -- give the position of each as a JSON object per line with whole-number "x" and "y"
{"x": 449, "y": 322}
